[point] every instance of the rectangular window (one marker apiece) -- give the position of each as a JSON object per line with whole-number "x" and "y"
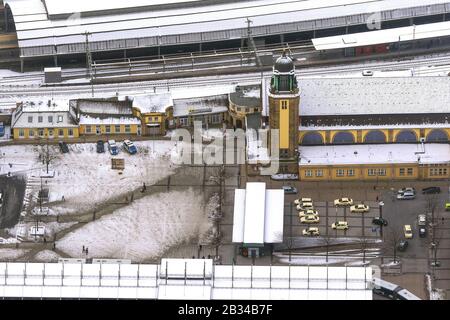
{"x": 61, "y": 132}
{"x": 50, "y": 133}
{"x": 308, "y": 173}
{"x": 381, "y": 172}
{"x": 21, "y": 133}
{"x": 410, "y": 171}
{"x": 60, "y": 118}
{"x": 127, "y": 128}
{"x": 31, "y": 132}
{"x": 40, "y": 119}
{"x": 284, "y": 104}
{"x": 30, "y": 119}
{"x": 70, "y": 132}
{"x": 401, "y": 171}
{"x": 88, "y": 129}
{"x": 41, "y": 132}
{"x": 350, "y": 172}
{"x": 117, "y": 129}
{"x": 50, "y": 119}
{"x": 340, "y": 172}
{"x": 319, "y": 173}
{"x": 108, "y": 129}
{"x": 184, "y": 122}
{"x": 372, "y": 172}
{"x": 215, "y": 118}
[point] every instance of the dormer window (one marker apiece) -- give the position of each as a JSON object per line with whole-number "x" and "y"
{"x": 60, "y": 118}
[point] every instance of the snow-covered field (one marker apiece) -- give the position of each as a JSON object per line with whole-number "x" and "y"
{"x": 143, "y": 230}
{"x": 12, "y": 254}
{"x": 47, "y": 256}
{"x": 85, "y": 178}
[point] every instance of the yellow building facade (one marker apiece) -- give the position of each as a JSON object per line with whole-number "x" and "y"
{"x": 45, "y": 133}
{"x": 360, "y": 135}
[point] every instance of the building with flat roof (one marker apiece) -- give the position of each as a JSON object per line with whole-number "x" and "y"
{"x": 182, "y": 279}
{"x": 374, "y": 162}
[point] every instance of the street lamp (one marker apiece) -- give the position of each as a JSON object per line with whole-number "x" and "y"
{"x": 381, "y": 204}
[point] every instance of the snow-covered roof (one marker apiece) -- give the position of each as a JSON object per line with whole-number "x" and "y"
{"x": 258, "y": 214}
{"x": 43, "y": 114}
{"x": 109, "y": 120}
{"x": 423, "y": 31}
{"x": 149, "y": 103}
{"x": 428, "y": 153}
{"x": 338, "y": 96}
{"x": 116, "y": 21}
{"x": 200, "y": 106}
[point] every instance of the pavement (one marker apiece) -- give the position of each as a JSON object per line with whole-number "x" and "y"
{"x": 13, "y": 192}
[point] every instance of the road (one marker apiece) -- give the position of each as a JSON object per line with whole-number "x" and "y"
{"x": 13, "y": 193}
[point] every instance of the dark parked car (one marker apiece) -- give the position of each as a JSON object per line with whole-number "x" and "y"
{"x": 380, "y": 221}
{"x": 63, "y": 146}
{"x": 100, "y": 146}
{"x": 422, "y": 232}
{"x": 402, "y": 245}
{"x": 431, "y": 190}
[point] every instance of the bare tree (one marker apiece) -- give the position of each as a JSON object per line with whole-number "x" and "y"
{"x": 327, "y": 240}
{"x": 364, "y": 243}
{"x": 47, "y": 154}
{"x": 392, "y": 239}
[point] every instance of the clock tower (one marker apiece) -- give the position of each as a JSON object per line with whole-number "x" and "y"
{"x": 284, "y": 100}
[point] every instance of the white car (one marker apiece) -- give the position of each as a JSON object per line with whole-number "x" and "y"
{"x": 302, "y": 200}
{"x": 304, "y": 213}
{"x": 311, "y": 232}
{"x": 343, "y": 202}
{"x": 422, "y": 220}
{"x": 408, "y": 189}
{"x": 340, "y": 225}
{"x": 309, "y": 219}
{"x": 359, "y": 208}
{"x": 367, "y": 73}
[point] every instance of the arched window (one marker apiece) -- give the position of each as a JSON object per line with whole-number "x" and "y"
{"x": 406, "y": 136}
{"x": 437, "y": 135}
{"x": 312, "y": 138}
{"x": 375, "y": 136}
{"x": 343, "y": 138}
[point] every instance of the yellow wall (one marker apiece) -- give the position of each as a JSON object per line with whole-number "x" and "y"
{"x": 359, "y": 135}
{"x": 133, "y": 129}
{"x": 284, "y": 125}
{"x": 46, "y": 132}
{"x": 361, "y": 172}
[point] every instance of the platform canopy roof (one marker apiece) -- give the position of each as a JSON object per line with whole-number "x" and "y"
{"x": 55, "y": 27}
{"x": 424, "y": 31}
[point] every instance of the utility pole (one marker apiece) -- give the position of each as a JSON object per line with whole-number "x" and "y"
{"x": 89, "y": 62}
{"x": 251, "y": 42}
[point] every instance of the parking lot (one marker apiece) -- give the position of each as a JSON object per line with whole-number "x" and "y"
{"x": 359, "y": 224}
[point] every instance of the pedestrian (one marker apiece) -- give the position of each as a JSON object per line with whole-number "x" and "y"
{"x": 443, "y": 220}
{"x": 209, "y": 256}
{"x": 87, "y": 252}
{"x": 377, "y": 198}
{"x": 83, "y": 249}
{"x": 54, "y": 246}
{"x": 45, "y": 240}
{"x": 63, "y": 199}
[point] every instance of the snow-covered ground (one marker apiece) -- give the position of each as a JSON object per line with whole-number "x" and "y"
{"x": 85, "y": 178}
{"x": 47, "y": 256}
{"x": 142, "y": 230}
{"x": 12, "y": 254}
